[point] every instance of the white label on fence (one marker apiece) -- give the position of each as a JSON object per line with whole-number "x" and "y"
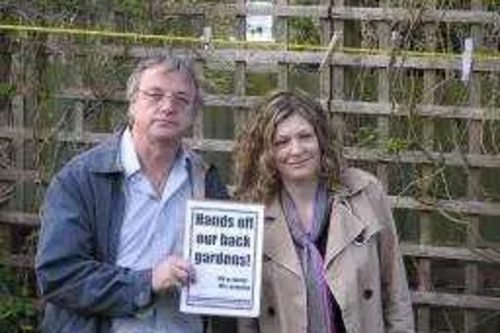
{"x": 259, "y": 28}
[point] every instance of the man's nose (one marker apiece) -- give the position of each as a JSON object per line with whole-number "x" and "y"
{"x": 166, "y": 102}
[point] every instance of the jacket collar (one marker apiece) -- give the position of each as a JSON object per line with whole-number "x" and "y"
{"x": 105, "y": 157}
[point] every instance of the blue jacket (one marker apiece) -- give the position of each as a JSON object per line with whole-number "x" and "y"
{"x": 80, "y": 229}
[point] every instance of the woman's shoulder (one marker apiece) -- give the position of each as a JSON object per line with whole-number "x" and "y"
{"x": 355, "y": 180}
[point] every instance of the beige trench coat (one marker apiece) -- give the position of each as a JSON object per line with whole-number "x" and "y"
{"x": 362, "y": 259}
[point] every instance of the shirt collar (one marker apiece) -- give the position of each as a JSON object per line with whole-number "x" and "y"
{"x": 130, "y": 160}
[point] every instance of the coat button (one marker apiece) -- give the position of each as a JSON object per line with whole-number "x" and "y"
{"x": 367, "y": 293}
{"x": 360, "y": 239}
{"x": 270, "y": 311}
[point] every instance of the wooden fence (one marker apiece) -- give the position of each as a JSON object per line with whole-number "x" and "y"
{"x": 393, "y": 78}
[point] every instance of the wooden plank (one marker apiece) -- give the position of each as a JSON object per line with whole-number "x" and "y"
{"x": 475, "y": 130}
{"x": 281, "y": 32}
{"x": 351, "y": 153}
{"x": 464, "y": 207}
{"x": 421, "y": 157}
{"x": 427, "y": 110}
{"x": 383, "y": 96}
{"x": 354, "y": 58}
{"x": 464, "y": 301}
{"x": 279, "y": 10}
{"x": 392, "y": 14}
{"x": 456, "y": 206}
{"x": 414, "y": 250}
{"x": 479, "y": 255}
{"x": 326, "y": 74}
{"x": 415, "y": 14}
{"x": 19, "y": 218}
{"x": 240, "y": 79}
{"x": 263, "y": 54}
{"x": 19, "y": 261}
{"x": 13, "y": 175}
{"x": 337, "y": 105}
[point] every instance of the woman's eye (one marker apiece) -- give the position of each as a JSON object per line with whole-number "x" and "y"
{"x": 279, "y": 143}
{"x": 305, "y": 135}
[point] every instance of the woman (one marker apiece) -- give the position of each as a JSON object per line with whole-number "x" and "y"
{"x": 331, "y": 257}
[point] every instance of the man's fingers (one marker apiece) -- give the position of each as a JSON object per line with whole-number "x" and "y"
{"x": 174, "y": 271}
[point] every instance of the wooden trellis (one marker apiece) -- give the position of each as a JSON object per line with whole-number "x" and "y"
{"x": 385, "y": 49}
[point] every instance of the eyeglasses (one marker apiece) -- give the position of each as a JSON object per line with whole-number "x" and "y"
{"x": 157, "y": 97}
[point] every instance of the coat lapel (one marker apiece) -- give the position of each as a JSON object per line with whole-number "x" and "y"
{"x": 278, "y": 243}
{"x": 343, "y": 230}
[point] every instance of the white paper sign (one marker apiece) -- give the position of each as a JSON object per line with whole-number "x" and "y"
{"x": 259, "y": 28}
{"x": 223, "y": 242}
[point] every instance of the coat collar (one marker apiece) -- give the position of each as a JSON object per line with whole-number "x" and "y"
{"x": 346, "y": 226}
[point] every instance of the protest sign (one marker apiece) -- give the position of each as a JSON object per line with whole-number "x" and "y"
{"x": 223, "y": 242}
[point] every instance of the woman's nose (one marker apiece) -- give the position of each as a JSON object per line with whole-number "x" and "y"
{"x": 295, "y": 147}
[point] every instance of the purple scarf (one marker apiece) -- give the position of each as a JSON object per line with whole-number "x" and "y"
{"x": 319, "y": 308}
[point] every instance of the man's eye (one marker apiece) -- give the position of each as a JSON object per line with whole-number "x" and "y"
{"x": 182, "y": 100}
{"x": 156, "y": 96}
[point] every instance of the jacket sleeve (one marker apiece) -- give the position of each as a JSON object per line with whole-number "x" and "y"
{"x": 397, "y": 306}
{"x": 248, "y": 325}
{"x": 214, "y": 188}
{"x": 69, "y": 275}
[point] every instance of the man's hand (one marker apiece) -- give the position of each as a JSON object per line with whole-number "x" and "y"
{"x": 172, "y": 272}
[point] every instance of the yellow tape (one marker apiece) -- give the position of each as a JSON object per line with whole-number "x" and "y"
{"x": 227, "y": 42}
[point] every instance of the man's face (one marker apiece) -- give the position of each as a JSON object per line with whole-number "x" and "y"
{"x": 162, "y": 108}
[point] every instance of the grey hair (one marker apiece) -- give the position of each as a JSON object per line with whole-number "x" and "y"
{"x": 172, "y": 64}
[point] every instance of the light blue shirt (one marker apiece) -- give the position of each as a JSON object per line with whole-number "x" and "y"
{"x": 153, "y": 228}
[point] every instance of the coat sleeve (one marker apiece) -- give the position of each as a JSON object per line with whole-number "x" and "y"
{"x": 396, "y": 301}
{"x": 68, "y": 273}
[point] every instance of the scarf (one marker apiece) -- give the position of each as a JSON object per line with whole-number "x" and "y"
{"x": 319, "y": 308}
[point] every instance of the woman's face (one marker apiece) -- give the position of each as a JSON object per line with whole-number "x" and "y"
{"x": 296, "y": 150}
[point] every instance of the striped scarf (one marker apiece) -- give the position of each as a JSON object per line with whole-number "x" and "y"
{"x": 319, "y": 307}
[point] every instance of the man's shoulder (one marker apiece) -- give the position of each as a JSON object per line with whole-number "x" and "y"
{"x": 101, "y": 158}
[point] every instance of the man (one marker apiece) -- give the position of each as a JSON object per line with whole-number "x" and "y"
{"x": 109, "y": 255}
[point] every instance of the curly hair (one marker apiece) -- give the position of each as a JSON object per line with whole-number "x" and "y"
{"x": 255, "y": 176}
